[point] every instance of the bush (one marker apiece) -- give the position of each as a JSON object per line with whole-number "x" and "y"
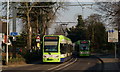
{"x": 12, "y": 60}
{"x": 32, "y": 56}
{"x": 16, "y": 60}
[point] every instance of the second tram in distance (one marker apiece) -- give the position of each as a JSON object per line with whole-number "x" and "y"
{"x": 82, "y": 47}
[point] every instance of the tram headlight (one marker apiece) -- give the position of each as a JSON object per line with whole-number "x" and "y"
{"x": 56, "y": 56}
{"x": 87, "y": 52}
{"x": 45, "y": 56}
{"x": 62, "y": 55}
{"x": 81, "y": 52}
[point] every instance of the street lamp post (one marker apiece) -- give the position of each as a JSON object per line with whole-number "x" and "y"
{"x": 7, "y": 32}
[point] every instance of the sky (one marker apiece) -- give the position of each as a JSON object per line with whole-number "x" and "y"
{"x": 71, "y": 13}
{"x": 68, "y": 15}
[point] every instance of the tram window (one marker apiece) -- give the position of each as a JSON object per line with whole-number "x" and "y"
{"x": 62, "y": 49}
{"x": 51, "y": 48}
{"x": 69, "y": 47}
{"x": 84, "y": 47}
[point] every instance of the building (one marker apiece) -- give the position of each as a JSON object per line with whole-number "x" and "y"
{"x": 3, "y": 31}
{"x": 3, "y": 27}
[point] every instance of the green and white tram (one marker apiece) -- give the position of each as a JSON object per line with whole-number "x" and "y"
{"x": 83, "y": 47}
{"x": 56, "y": 48}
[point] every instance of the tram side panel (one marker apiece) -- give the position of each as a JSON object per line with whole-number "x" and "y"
{"x": 66, "y": 52}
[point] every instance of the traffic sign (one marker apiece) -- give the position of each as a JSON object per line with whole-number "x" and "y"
{"x": 112, "y": 35}
{"x": 38, "y": 39}
{"x": 14, "y": 33}
{"x": 111, "y": 31}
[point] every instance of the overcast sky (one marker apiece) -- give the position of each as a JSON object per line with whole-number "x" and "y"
{"x": 70, "y": 14}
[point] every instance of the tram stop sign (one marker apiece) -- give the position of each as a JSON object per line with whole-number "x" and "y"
{"x": 38, "y": 39}
{"x": 112, "y": 35}
{"x": 14, "y": 33}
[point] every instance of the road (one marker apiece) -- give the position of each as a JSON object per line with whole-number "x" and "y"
{"x": 75, "y": 64}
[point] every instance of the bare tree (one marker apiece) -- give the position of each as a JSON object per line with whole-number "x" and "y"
{"x": 111, "y": 11}
{"x": 36, "y": 19}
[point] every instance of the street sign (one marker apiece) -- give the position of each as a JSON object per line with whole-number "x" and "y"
{"x": 112, "y": 35}
{"x": 38, "y": 44}
{"x": 38, "y": 39}
{"x": 14, "y": 33}
{"x": 111, "y": 31}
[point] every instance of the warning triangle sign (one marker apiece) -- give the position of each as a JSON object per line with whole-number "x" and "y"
{"x": 38, "y": 37}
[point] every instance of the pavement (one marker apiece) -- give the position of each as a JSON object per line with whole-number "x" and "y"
{"x": 111, "y": 63}
{"x": 19, "y": 65}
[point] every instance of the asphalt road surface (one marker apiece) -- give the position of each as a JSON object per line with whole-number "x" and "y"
{"x": 75, "y": 64}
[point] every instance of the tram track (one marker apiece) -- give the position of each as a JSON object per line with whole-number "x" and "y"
{"x": 72, "y": 61}
{"x": 64, "y": 65}
{"x": 68, "y": 65}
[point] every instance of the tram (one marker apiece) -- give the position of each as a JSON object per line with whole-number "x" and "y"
{"x": 56, "y": 48}
{"x": 83, "y": 47}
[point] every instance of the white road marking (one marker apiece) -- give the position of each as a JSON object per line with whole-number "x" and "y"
{"x": 59, "y": 65}
{"x": 67, "y": 64}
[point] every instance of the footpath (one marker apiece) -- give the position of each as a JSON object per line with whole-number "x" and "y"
{"x": 111, "y": 64}
{"x": 19, "y": 65}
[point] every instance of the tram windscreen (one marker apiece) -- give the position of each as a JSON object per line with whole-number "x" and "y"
{"x": 51, "y": 44}
{"x": 84, "y": 47}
